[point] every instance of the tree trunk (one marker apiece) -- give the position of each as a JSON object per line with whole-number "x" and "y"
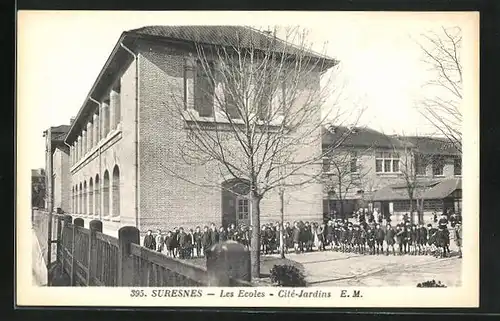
{"x": 342, "y": 214}
{"x": 411, "y": 210}
{"x": 282, "y": 230}
{"x": 255, "y": 239}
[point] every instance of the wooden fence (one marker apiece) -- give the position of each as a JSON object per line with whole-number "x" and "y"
{"x": 90, "y": 258}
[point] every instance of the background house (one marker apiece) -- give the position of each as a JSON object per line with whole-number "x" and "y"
{"x": 383, "y": 168}
{"x": 57, "y": 169}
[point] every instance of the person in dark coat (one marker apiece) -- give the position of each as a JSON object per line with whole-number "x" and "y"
{"x": 222, "y": 234}
{"x": 297, "y": 238}
{"x": 431, "y": 239}
{"x": 197, "y": 241}
{"x": 413, "y": 240}
{"x": 401, "y": 238}
{"x": 169, "y": 244}
{"x": 206, "y": 240}
{"x": 422, "y": 239}
{"x": 190, "y": 251}
{"x": 214, "y": 234}
{"x": 184, "y": 243}
{"x": 288, "y": 237}
{"x": 149, "y": 241}
{"x": 175, "y": 243}
{"x": 379, "y": 238}
{"x": 443, "y": 221}
{"x": 370, "y": 239}
{"x": 390, "y": 233}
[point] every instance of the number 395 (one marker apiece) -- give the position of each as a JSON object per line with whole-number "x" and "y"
{"x": 137, "y": 293}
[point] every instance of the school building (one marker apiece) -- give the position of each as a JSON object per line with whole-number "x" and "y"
{"x": 123, "y": 144}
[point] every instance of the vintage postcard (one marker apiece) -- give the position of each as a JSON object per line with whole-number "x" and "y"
{"x": 247, "y": 159}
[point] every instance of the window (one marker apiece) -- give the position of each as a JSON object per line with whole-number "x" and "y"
{"x": 91, "y": 197}
{"x": 105, "y": 194}
{"x": 420, "y": 164}
{"x": 457, "y": 166}
{"x": 386, "y": 162}
{"x": 326, "y": 165}
{"x": 116, "y": 191}
{"x": 97, "y": 196}
{"x": 268, "y": 88}
{"x": 354, "y": 162}
{"x": 433, "y": 205}
{"x": 204, "y": 89}
{"x": 438, "y": 166}
{"x": 242, "y": 210}
{"x": 84, "y": 197}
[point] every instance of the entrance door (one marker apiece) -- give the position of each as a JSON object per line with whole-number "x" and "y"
{"x": 242, "y": 211}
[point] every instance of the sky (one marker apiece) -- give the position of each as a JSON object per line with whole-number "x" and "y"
{"x": 61, "y": 53}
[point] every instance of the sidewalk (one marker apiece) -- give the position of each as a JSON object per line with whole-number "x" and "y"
{"x": 38, "y": 264}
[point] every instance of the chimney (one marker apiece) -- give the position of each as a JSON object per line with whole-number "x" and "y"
{"x": 71, "y": 120}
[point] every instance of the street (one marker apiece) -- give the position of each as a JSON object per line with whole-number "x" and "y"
{"x": 344, "y": 269}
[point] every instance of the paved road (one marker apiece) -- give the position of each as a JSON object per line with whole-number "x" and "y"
{"x": 342, "y": 269}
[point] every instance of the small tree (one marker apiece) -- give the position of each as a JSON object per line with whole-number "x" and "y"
{"x": 413, "y": 169}
{"x": 441, "y": 104}
{"x": 343, "y": 173}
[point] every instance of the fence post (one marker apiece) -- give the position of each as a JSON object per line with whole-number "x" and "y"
{"x": 94, "y": 226}
{"x": 78, "y": 222}
{"x": 67, "y": 220}
{"x": 126, "y": 236}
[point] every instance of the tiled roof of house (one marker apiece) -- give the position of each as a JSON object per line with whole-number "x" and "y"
{"x": 359, "y": 137}
{"x": 59, "y": 132}
{"x": 226, "y": 35}
{"x": 430, "y": 190}
{"x": 432, "y": 145}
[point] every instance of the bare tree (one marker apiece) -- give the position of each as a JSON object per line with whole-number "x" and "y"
{"x": 253, "y": 109}
{"x": 441, "y": 104}
{"x": 413, "y": 168}
{"x": 343, "y": 173}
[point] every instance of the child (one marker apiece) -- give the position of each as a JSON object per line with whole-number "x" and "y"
{"x": 379, "y": 237}
{"x": 370, "y": 235}
{"x": 169, "y": 243}
{"x": 197, "y": 241}
{"x": 206, "y": 240}
{"x": 389, "y": 238}
{"x": 413, "y": 240}
{"x": 160, "y": 241}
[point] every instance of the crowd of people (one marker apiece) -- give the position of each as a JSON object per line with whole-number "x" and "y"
{"x": 362, "y": 236}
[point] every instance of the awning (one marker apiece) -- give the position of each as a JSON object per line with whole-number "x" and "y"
{"x": 430, "y": 190}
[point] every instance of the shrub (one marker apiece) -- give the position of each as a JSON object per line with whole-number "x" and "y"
{"x": 431, "y": 284}
{"x": 287, "y": 275}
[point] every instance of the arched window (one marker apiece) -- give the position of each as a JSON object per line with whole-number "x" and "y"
{"x": 105, "y": 194}
{"x": 75, "y": 200}
{"x": 116, "y": 191}
{"x": 97, "y": 194}
{"x": 80, "y": 199}
{"x": 91, "y": 197}
{"x": 85, "y": 203}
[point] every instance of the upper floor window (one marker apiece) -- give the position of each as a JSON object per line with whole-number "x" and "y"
{"x": 326, "y": 165}
{"x": 420, "y": 164}
{"x": 204, "y": 88}
{"x": 457, "y": 166}
{"x": 387, "y": 162}
{"x": 354, "y": 162}
{"x": 437, "y": 166}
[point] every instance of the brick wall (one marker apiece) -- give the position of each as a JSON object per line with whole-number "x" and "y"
{"x": 167, "y": 196}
